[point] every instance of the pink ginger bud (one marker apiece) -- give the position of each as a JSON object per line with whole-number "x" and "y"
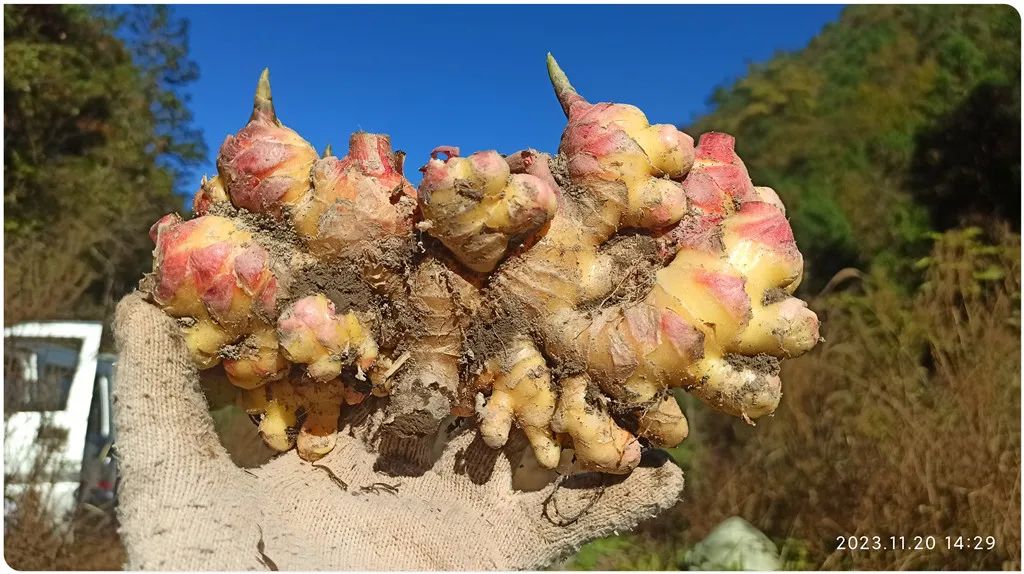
{"x": 618, "y": 156}
{"x": 718, "y": 176}
{"x": 479, "y": 209}
{"x": 313, "y": 333}
{"x": 357, "y": 198}
{"x": 208, "y": 266}
{"x": 210, "y": 192}
{"x": 266, "y": 165}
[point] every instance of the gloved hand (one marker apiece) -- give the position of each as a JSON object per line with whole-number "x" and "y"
{"x": 185, "y": 505}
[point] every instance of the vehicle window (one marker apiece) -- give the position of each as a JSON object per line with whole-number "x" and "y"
{"x": 38, "y": 373}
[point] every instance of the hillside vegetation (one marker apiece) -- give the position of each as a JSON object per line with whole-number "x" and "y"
{"x": 895, "y": 121}
{"x": 96, "y": 134}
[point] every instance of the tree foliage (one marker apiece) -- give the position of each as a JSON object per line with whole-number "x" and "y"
{"x": 894, "y": 121}
{"x": 96, "y": 131}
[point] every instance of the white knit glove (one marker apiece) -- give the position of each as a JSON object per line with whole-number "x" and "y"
{"x": 185, "y": 505}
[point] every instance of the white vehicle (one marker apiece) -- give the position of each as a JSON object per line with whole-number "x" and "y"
{"x": 57, "y": 414}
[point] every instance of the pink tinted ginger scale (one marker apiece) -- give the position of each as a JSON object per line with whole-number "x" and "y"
{"x": 249, "y": 266}
{"x": 765, "y": 224}
{"x": 685, "y": 338}
{"x": 206, "y": 262}
{"x": 642, "y": 325}
{"x": 727, "y": 289}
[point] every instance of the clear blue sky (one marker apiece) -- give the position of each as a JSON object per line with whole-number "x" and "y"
{"x": 471, "y": 76}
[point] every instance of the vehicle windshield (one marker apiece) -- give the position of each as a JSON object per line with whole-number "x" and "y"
{"x": 38, "y": 373}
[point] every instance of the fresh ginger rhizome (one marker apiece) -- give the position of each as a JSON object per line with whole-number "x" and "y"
{"x": 565, "y": 295}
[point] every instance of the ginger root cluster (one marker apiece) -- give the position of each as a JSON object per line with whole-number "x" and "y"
{"x": 566, "y": 295}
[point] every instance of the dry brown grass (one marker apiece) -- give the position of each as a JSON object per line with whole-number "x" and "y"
{"x": 35, "y": 538}
{"x": 45, "y": 276}
{"x": 905, "y": 422}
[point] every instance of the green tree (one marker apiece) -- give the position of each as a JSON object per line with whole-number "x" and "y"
{"x": 96, "y": 133}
